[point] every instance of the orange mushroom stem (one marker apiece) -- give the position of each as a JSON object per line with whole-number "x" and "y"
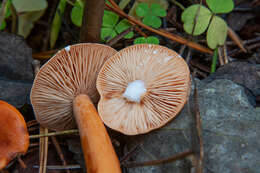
{"x": 100, "y": 156}
{"x": 14, "y": 137}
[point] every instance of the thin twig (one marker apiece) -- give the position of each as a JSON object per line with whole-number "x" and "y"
{"x": 200, "y": 156}
{"x": 21, "y": 162}
{"x": 59, "y": 151}
{"x": 129, "y": 154}
{"x": 164, "y": 34}
{"x": 178, "y": 4}
{"x": 158, "y": 162}
{"x": 66, "y": 132}
{"x": 120, "y": 36}
{"x": 31, "y": 123}
{"x": 182, "y": 49}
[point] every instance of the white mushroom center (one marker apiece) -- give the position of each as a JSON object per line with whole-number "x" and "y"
{"x": 135, "y": 91}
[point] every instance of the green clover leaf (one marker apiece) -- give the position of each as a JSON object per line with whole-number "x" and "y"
{"x": 111, "y": 27}
{"x": 151, "y": 14}
{"x": 107, "y": 33}
{"x": 152, "y": 21}
{"x": 148, "y": 40}
{"x": 157, "y": 10}
{"x": 217, "y": 32}
{"x": 110, "y": 19}
{"x": 142, "y": 9}
{"x": 220, "y": 6}
{"x": 122, "y": 26}
{"x": 202, "y": 16}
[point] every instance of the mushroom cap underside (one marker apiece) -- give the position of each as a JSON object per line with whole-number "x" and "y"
{"x": 166, "y": 78}
{"x": 14, "y": 137}
{"x": 71, "y": 71}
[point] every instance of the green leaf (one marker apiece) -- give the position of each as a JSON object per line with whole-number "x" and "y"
{"x": 152, "y": 21}
{"x": 7, "y": 11}
{"x": 76, "y": 14}
{"x": 148, "y": 40}
{"x": 140, "y": 40}
{"x": 3, "y": 25}
{"x": 29, "y": 5}
{"x": 152, "y": 40}
{"x": 123, "y": 3}
{"x": 122, "y": 26}
{"x": 220, "y": 6}
{"x": 202, "y": 16}
{"x": 157, "y": 10}
{"x": 110, "y": 19}
{"x": 142, "y": 9}
{"x": 107, "y": 34}
{"x": 26, "y": 20}
{"x": 217, "y": 32}
{"x": 56, "y": 22}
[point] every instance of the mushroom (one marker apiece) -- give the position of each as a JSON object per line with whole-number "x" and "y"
{"x": 14, "y": 137}
{"x": 142, "y": 87}
{"x": 62, "y": 94}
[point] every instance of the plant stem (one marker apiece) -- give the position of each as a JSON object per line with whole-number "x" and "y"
{"x": 214, "y": 61}
{"x": 92, "y": 21}
{"x": 178, "y": 4}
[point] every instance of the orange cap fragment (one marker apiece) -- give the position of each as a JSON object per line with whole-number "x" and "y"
{"x": 14, "y": 137}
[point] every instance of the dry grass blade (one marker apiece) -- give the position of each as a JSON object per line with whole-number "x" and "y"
{"x": 65, "y": 132}
{"x": 236, "y": 39}
{"x": 43, "y": 150}
{"x": 120, "y": 36}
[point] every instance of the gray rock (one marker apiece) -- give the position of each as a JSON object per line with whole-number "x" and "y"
{"x": 16, "y": 74}
{"x": 15, "y": 58}
{"x": 230, "y": 130}
{"x": 15, "y": 92}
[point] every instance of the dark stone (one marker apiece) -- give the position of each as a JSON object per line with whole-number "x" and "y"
{"x": 243, "y": 73}
{"x": 230, "y": 133}
{"x": 15, "y": 58}
{"x": 15, "y": 92}
{"x": 237, "y": 20}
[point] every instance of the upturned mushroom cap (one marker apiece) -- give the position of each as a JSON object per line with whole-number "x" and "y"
{"x": 14, "y": 137}
{"x": 72, "y": 71}
{"x": 142, "y": 87}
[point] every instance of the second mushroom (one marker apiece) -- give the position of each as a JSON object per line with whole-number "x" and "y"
{"x": 142, "y": 87}
{"x": 62, "y": 94}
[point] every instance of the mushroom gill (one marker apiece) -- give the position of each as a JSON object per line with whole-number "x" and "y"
{"x": 166, "y": 83}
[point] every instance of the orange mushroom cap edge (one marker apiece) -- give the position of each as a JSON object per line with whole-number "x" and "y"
{"x": 14, "y": 137}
